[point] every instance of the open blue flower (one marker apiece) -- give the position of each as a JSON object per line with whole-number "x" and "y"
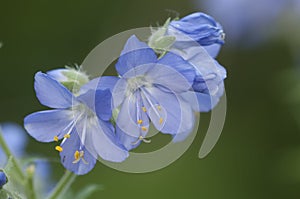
{"x": 16, "y": 139}
{"x": 148, "y": 89}
{"x": 85, "y": 134}
{"x": 197, "y": 27}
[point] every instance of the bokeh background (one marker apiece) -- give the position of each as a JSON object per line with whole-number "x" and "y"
{"x": 258, "y": 154}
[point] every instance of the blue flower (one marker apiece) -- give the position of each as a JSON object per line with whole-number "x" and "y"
{"x": 81, "y": 122}
{"x": 197, "y": 27}
{"x": 16, "y": 139}
{"x": 3, "y": 179}
{"x": 148, "y": 89}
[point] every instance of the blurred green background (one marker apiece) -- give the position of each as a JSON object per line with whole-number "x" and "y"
{"x": 258, "y": 154}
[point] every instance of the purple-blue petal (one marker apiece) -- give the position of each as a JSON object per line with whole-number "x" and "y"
{"x": 130, "y": 112}
{"x": 135, "y": 53}
{"x": 184, "y": 69}
{"x": 70, "y": 146}
{"x": 51, "y": 93}
{"x": 169, "y": 117}
{"x": 44, "y": 125}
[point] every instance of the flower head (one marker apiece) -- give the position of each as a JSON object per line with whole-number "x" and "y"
{"x": 82, "y": 123}
{"x": 148, "y": 89}
{"x": 3, "y": 179}
{"x": 197, "y": 38}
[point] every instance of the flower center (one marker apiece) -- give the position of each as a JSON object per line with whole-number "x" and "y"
{"x": 136, "y": 83}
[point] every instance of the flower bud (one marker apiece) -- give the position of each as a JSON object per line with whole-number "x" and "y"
{"x": 71, "y": 78}
{"x": 3, "y": 179}
{"x": 198, "y": 27}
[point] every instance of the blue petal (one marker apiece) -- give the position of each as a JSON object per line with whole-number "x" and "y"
{"x": 44, "y": 125}
{"x": 103, "y": 104}
{"x": 135, "y": 53}
{"x": 213, "y": 50}
{"x": 187, "y": 126}
{"x": 98, "y": 101}
{"x": 51, "y": 93}
{"x": 211, "y": 72}
{"x": 129, "y": 142}
{"x": 131, "y": 111}
{"x": 100, "y": 140}
{"x": 203, "y": 102}
{"x": 70, "y": 146}
{"x": 170, "y": 117}
{"x": 119, "y": 92}
{"x": 173, "y": 73}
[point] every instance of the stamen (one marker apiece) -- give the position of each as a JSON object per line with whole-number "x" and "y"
{"x": 144, "y": 128}
{"x": 67, "y": 136}
{"x": 161, "y": 120}
{"x": 140, "y": 121}
{"x": 79, "y": 155}
{"x": 59, "y": 148}
{"x": 159, "y": 107}
{"x": 144, "y": 109}
{"x": 141, "y": 138}
{"x": 146, "y": 141}
{"x": 55, "y": 138}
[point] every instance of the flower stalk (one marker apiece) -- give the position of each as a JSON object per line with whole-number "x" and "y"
{"x": 63, "y": 185}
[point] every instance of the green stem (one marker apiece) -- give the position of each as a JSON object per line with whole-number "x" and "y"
{"x": 9, "y": 154}
{"x": 30, "y": 182}
{"x": 63, "y": 185}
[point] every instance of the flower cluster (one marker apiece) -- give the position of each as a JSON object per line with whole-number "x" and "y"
{"x": 162, "y": 82}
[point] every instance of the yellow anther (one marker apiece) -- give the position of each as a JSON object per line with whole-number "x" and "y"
{"x": 55, "y": 138}
{"x": 78, "y": 155}
{"x": 59, "y": 148}
{"x": 67, "y": 136}
{"x": 159, "y": 108}
{"x": 140, "y": 121}
{"x": 161, "y": 120}
{"x": 144, "y": 109}
{"x": 144, "y": 128}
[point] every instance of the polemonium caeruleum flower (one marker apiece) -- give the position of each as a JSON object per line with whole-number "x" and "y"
{"x": 3, "y": 179}
{"x": 148, "y": 89}
{"x": 16, "y": 139}
{"x": 197, "y": 39}
{"x": 246, "y": 23}
{"x": 86, "y": 135}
